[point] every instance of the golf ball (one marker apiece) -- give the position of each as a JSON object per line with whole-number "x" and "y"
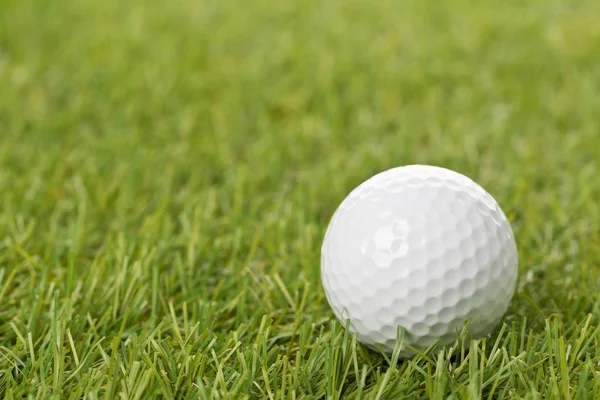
{"x": 420, "y": 248}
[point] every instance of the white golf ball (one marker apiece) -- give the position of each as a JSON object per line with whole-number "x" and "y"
{"x": 423, "y": 249}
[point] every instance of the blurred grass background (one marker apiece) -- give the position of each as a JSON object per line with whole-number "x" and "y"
{"x": 164, "y": 164}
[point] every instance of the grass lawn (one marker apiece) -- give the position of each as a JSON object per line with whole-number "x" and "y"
{"x": 168, "y": 170}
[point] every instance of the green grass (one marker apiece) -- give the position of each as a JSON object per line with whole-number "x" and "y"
{"x": 168, "y": 169}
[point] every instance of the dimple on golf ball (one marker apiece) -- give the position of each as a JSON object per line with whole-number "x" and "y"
{"x": 420, "y": 248}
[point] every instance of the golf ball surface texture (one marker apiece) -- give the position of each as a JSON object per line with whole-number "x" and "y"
{"x": 421, "y": 248}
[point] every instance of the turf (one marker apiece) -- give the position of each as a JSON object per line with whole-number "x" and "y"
{"x": 168, "y": 169}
